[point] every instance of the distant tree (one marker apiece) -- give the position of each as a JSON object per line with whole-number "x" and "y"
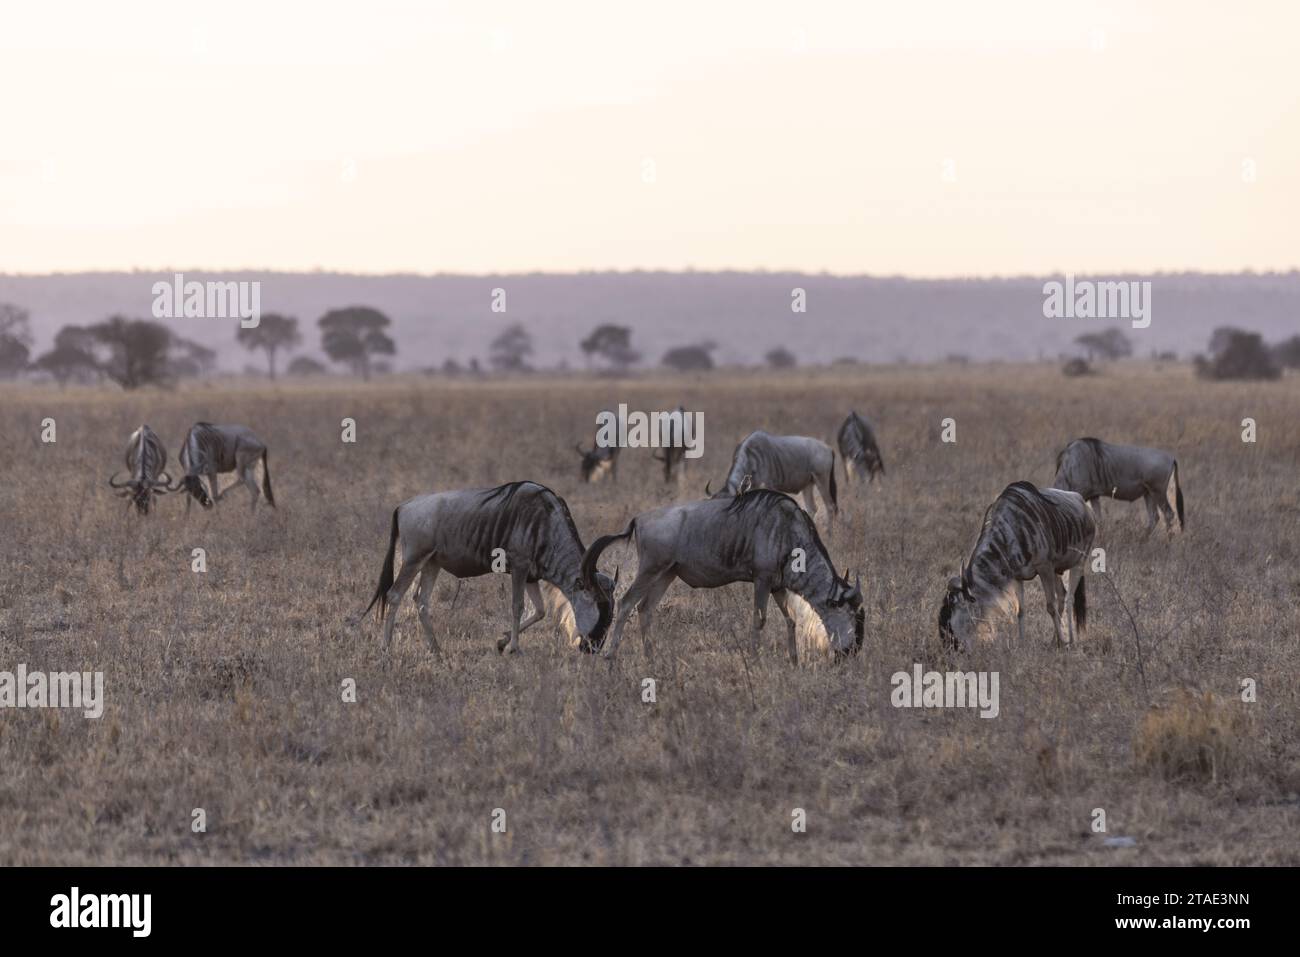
{"x": 613, "y": 344}
{"x": 355, "y": 335}
{"x": 273, "y": 333}
{"x": 15, "y": 339}
{"x": 132, "y": 352}
{"x": 1109, "y": 344}
{"x": 690, "y": 358}
{"x": 1244, "y": 356}
{"x": 1222, "y": 337}
{"x": 73, "y": 356}
{"x": 1287, "y": 353}
{"x": 305, "y": 365}
{"x": 510, "y": 350}
{"x": 781, "y": 358}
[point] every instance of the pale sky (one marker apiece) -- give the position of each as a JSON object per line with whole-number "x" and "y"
{"x": 919, "y": 138}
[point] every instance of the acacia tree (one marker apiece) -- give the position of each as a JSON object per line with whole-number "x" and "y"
{"x": 781, "y": 358}
{"x": 1110, "y": 344}
{"x": 355, "y": 335}
{"x": 690, "y": 358}
{"x": 510, "y": 350}
{"x": 73, "y": 356}
{"x": 15, "y": 339}
{"x": 273, "y": 333}
{"x": 613, "y": 344}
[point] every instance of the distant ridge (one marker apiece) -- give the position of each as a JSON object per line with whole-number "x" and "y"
{"x": 869, "y": 318}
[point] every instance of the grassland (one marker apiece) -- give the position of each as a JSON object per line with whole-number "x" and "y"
{"x": 223, "y": 688}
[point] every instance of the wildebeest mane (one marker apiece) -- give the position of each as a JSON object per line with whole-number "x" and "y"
{"x": 762, "y": 499}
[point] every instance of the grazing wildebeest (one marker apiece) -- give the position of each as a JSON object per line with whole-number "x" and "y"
{"x": 1028, "y": 532}
{"x": 521, "y": 528}
{"x": 602, "y": 460}
{"x": 760, "y": 536}
{"x": 858, "y": 450}
{"x": 1097, "y": 470}
{"x": 674, "y": 457}
{"x": 784, "y": 463}
{"x": 211, "y": 450}
{"x": 146, "y": 461}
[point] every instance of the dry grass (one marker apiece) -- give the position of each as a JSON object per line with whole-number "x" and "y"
{"x": 223, "y": 689}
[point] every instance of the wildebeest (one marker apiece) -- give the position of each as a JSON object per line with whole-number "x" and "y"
{"x": 521, "y": 528}
{"x": 146, "y": 462}
{"x": 211, "y": 450}
{"x": 600, "y": 461}
{"x": 760, "y": 536}
{"x": 674, "y": 457}
{"x": 858, "y": 450}
{"x": 784, "y": 463}
{"x": 1027, "y": 532}
{"x": 1097, "y": 470}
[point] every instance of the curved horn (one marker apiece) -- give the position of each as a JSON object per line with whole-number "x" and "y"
{"x": 707, "y": 493}
{"x": 117, "y": 484}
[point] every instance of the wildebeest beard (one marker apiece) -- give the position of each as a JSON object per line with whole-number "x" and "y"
{"x": 194, "y": 485}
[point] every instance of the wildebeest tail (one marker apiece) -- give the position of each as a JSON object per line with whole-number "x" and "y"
{"x": 592, "y": 554}
{"x": 834, "y": 495}
{"x": 1178, "y": 496}
{"x": 1081, "y": 605}
{"x": 386, "y": 575}
{"x": 266, "y": 481}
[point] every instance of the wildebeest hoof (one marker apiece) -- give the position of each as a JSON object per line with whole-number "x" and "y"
{"x": 501, "y": 645}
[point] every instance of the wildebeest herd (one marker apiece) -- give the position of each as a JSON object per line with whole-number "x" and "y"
{"x": 751, "y": 530}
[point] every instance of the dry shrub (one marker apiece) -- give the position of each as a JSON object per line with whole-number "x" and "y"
{"x": 1192, "y": 735}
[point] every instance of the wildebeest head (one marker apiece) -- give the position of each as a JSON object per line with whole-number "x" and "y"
{"x": 844, "y": 617}
{"x": 957, "y": 622}
{"x": 142, "y": 491}
{"x": 193, "y": 485}
{"x": 596, "y": 462}
{"x": 593, "y": 609}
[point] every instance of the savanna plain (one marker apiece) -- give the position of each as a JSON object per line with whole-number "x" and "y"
{"x": 224, "y": 688}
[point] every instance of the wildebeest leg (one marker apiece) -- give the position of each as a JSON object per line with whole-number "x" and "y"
{"x": 645, "y": 611}
{"x": 761, "y": 592}
{"x": 1096, "y": 509}
{"x": 645, "y": 580}
{"x": 216, "y": 489}
{"x": 1020, "y": 609}
{"x": 518, "y": 582}
{"x": 423, "y": 598}
{"x": 1076, "y": 578}
{"x": 1151, "y": 514}
{"x": 1163, "y": 502}
{"x": 809, "y": 501}
{"x": 792, "y": 645}
{"x": 1051, "y": 588}
{"x": 534, "y": 592}
{"x": 248, "y": 473}
{"x": 410, "y": 566}
{"x": 824, "y": 487}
